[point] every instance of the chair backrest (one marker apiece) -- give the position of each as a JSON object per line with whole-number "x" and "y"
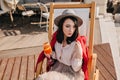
{"x": 43, "y": 7}
{"x": 44, "y": 13}
{"x": 90, "y": 27}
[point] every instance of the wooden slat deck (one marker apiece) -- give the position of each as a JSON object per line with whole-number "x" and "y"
{"x": 22, "y": 67}
{"x": 18, "y": 68}
{"x": 105, "y": 62}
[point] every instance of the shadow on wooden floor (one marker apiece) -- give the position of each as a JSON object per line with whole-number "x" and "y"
{"x": 21, "y": 25}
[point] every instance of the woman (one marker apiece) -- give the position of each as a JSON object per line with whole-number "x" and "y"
{"x": 69, "y": 50}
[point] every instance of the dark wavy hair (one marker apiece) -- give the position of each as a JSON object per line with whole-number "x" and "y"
{"x": 60, "y": 34}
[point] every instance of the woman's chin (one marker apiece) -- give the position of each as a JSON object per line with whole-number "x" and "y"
{"x": 69, "y": 35}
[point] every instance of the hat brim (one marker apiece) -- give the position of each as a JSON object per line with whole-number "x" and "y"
{"x": 57, "y": 19}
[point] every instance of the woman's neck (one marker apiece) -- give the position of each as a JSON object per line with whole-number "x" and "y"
{"x": 64, "y": 42}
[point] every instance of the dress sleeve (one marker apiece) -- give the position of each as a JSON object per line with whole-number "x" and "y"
{"x": 76, "y": 59}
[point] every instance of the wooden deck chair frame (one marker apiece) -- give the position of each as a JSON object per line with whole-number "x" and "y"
{"x": 93, "y": 72}
{"x": 92, "y": 57}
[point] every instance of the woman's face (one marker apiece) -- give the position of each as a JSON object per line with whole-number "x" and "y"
{"x": 68, "y": 27}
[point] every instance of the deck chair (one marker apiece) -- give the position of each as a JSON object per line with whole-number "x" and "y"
{"x": 87, "y": 31}
{"x": 25, "y": 12}
{"x": 44, "y": 13}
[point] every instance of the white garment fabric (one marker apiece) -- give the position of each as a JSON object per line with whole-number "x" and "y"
{"x": 7, "y": 5}
{"x": 50, "y": 76}
{"x": 68, "y": 64}
{"x": 70, "y": 55}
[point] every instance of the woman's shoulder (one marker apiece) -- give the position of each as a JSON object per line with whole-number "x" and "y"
{"x": 81, "y": 39}
{"x": 77, "y": 44}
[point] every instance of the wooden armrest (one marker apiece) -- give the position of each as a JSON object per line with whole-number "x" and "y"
{"x": 94, "y": 58}
{"x": 93, "y": 65}
{"x": 96, "y": 75}
{"x": 44, "y": 65}
{"x": 41, "y": 67}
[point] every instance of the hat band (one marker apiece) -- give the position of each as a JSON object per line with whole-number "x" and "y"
{"x": 68, "y": 14}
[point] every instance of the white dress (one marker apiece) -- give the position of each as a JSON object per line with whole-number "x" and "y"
{"x": 68, "y": 65}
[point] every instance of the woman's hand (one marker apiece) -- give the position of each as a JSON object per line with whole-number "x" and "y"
{"x": 47, "y": 49}
{"x": 47, "y": 55}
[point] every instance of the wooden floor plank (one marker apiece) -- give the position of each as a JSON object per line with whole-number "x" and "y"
{"x": 3, "y": 67}
{"x": 104, "y": 72}
{"x": 106, "y": 46}
{"x": 108, "y": 67}
{"x": 23, "y": 69}
{"x": 105, "y": 62}
{"x": 9, "y": 68}
{"x": 30, "y": 70}
{"x": 104, "y": 55}
{"x": 104, "y": 49}
{"x": 16, "y": 69}
{"x": 101, "y": 76}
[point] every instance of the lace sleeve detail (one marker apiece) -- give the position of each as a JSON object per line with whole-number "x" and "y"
{"x": 76, "y": 60}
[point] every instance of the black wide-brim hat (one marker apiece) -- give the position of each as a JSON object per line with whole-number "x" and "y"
{"x": 68, "y": 12}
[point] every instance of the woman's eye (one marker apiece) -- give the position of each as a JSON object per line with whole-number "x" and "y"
{"x": 67, "y": 26}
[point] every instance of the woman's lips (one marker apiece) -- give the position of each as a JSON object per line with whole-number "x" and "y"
{"x": 70, "y": 33}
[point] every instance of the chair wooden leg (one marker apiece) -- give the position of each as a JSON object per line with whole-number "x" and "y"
{"x": 39, "y": 68}
{"x": 11, "y": 18}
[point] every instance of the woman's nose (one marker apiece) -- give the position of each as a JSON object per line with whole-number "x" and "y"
{"x": 70, "y": 29}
